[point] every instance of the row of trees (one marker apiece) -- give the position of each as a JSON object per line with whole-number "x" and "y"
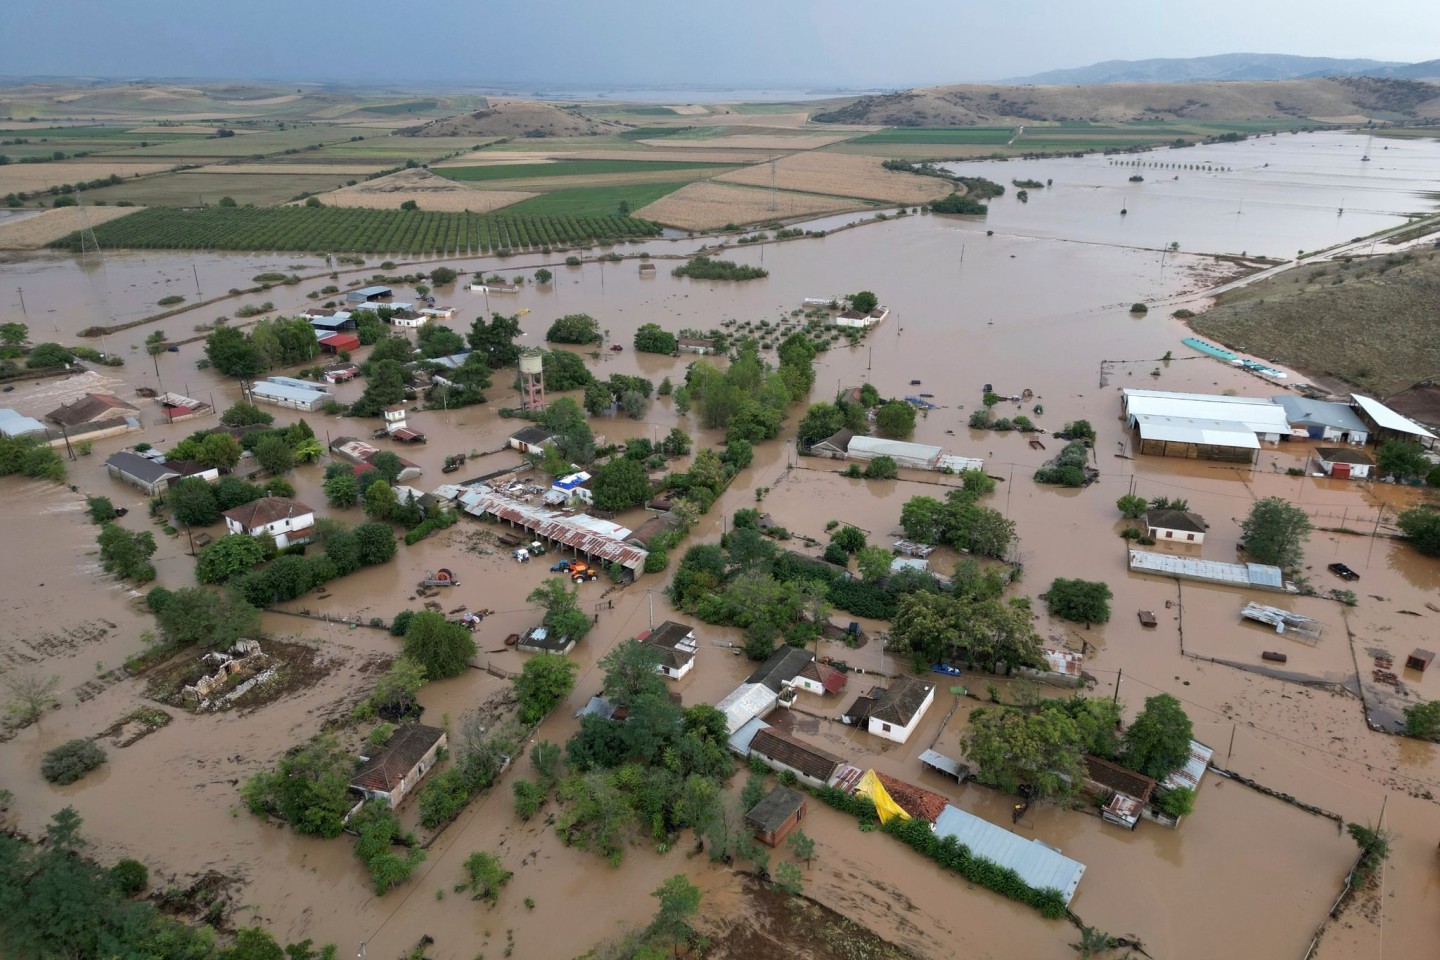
{"x": 959, "y": 521}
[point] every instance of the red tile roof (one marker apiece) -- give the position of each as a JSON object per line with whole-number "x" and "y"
{"x": 389, "y": 764}
{"x": 265, "y": 511}
{"x": 920, "y": 803}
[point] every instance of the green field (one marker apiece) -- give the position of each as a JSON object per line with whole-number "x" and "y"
{"x": 569, "y": 168}
{"x": 593, "y": 201}
{"x": 198, "y": 189}
{"x": 246, "y": 144}
{"x": 352, "y": 230}
{"x": 940, "y": 135}
{"x": 1076, "y": 134}
{"x": 44, "y": 141}
{"x": 403, "y": 107}
{"x": 389, "y": 150}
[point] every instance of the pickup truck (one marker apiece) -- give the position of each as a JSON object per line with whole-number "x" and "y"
{"x": 1343, "y": 572}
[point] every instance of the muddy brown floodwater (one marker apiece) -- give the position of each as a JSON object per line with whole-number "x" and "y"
{"x": 1245, "y": 875}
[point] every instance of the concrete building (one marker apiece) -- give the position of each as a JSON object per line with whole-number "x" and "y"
{"x": 833, "y": 446}
{"x": 93, "y": 408}
{"x": 675, "y": 642}
{"x": 1345, "y": 463}
{"x": 700, "y": 345}
{"x": 774, "y": 817}
{"x": 531, "y": 439}
{"x": 1178, "y": 525}
{"x": 1322, "y": 420}
{"x": 392, "y": 770}
{"x": 544, "y": 640}
{"x": 144, "y": 474}
{"x": 288, "y": 521}
{"x": 899, "y": 709}
{"x": 780, "y": 752}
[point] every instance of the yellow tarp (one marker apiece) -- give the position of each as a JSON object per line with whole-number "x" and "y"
{"x": 870, "y": 786}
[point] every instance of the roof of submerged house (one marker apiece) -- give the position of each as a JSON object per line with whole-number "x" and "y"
{"x": 795, "y": 754}
{"x": 265, "y": 511}
{"x": 388, "y": 765}
{"x": 901, "y": 700}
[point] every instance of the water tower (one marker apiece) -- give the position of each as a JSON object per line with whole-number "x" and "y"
{"x": 532, "y": 380}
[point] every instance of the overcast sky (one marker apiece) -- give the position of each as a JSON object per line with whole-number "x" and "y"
{"x": 740, "y": 44}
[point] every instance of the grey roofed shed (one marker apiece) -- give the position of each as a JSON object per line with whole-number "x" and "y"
{"x": 1321, "y": 413}
{"x": 21, "y": 426}
{"x": 1039, "y": 865}
{"x": 366, "y": 294}
{"x": 140, "y": 472}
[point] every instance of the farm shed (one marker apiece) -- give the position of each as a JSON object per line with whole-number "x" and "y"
{"x": 1322, "y": 419}
{"x": 745, "y": 703}
{"x": 146, "y": 475}
{"x": 368, "y": 294}
{"x": 15, "y": 424}
{"x": 1391, "y": 425}
{"x": 598, "y": 540}
{"x": 1344, "y": 463}
{"x": 921, "y": 456}
{"x": 532, "y": 439}
{"x": 1259, "y": 576}
{"x": 1040, "y": 865}
{"x": 1262, "y": 417}
{"x": 1163, "y": 436}
{"x": 545, "y": 640}
{"x": 774, "y": 817}
{"x": 283, "y": 395}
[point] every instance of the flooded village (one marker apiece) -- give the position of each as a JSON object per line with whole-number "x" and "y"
{"x": 1057, "y": 317}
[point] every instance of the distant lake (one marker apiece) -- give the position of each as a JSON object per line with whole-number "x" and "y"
{"x": 1268, "y": 196}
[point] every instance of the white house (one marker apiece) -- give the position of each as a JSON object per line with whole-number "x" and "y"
{"x": 531, "y": 439}
{"x": 675, "y": 642}
{"x": 572, "y": 487}
{"x": 819, "y": 679}
{"x": 409, "y": 318}
{"x": 1175, "y": 525}
{"x": 438, "y": 313}
{"x": 1345, "y": 463}
{"x": 898, "y": 711}
{"x": 288, "y": 521}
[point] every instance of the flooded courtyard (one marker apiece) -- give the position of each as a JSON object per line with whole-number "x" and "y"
{"x": 1022, "y": 309}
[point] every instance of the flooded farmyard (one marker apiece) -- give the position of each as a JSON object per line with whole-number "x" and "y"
{"x": 1025, "y": 312}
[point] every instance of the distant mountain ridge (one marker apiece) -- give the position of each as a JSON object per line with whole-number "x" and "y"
{"x": 1231, "y": 66}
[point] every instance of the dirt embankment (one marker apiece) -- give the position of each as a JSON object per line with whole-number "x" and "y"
{"x": 966, "y": 104}
{"x": 1370, "y": 322}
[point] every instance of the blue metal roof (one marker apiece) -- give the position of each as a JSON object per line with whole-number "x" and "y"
{"x": 1039, "y": 865}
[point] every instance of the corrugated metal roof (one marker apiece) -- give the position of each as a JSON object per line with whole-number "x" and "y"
{"x": 1239, "y": 574}
{"x": 296, "y": 383}
{"x": 370, "y": 292}
{"x": 1388, "y": 419}
{"x": 941, "y": 762}
{"x": 1040, "y": 866}
{"x": 1323, "y": 412}
{"x": 280, "y": 391}
{"x": 21, "y": 426}
{"x": 958, "y": 464}
{"x": 745, "y": 703}
{"x": 865, "y": 448}
{"x": 740, "y": 740}
{"x": 1214, "y": 433}
{"x": 610, "y": 547}
{"x": 1260, "y": 415}
{"x": 1193, "y": 772}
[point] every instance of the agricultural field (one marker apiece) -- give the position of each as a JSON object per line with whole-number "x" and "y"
{"x": 347, "y": 230}
{"x": 45, "y": 141}
{"x": 945, "y": 135}
{"x": 1070, "y": 136}
{"x": 246, "y": 143}
{"x": 839, "y": 175}
{"x": 393, "y": 151}
{"x": 777, "y": 139}
{"x": 592, "y": 201}
{"x": 193, "y": 188}
{"x": 706, "y": 205}
{"x": 569, "y": 168}
{"x": 36, "y": 177}
{"x": 37, "y": 231}
{"x": 427, "y": 190}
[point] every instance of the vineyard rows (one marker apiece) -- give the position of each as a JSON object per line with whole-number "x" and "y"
{"x": 351, "y": 230}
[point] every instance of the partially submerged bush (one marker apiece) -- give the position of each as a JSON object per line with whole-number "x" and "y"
{"x": 71, "y": 760}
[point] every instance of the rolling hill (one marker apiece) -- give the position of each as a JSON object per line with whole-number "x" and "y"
{"x": 958, "y": 105}
{"x": 1225, "y": 66}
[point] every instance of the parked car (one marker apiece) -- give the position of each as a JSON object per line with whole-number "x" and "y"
{"x": 1343, "y": 572}
{"x": 616, "y": 347}
{"x": 945, "y": 668}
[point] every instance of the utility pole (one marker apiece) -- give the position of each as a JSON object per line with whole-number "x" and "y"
{"x": 1119, "y": 675}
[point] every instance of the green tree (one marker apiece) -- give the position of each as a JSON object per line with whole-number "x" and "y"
{"x": 376, "y": 542}
{"x": 229, "y": 556}
{"x": 485, "y": 876}
{"x": 882, "y": 468}
{"x": 309, "y": 788}
{"x": 437, "y": 340}
{"x": 802, "y": 847}
{"x": 14, "y": 334}
{"x": 71, "y": 760}
{"x": 130, "y": 877}
{"x": 387, "y": 467}
{"x": 245, "y": 414}
{"x": 219, "y": 450}
{"x": 820, "y": 421}
{"x": 342, "y": 491}
{"x": 864, "y": 301}
{"x": 574, "y": 328}
{"x": 274, "y": 454}
{"x": 560, "y": 601}
{"x": 873, "y": 562}
{"x": 126, "y": 554}
{"x": 620, "y": 485}
{"x": 543, "y": 276}
{"x": 444, "y": 649}
{"x": 1275, "y": 533}
{"x": 788, "y": 879}
{"x": 676, "y": 443}
{"x": 216, "y": 619}
{"x": 651, "y": 339}
{"x": 192, "y": 502}
{"x": 380, "y": 501}
{"x": 46, "y": 356}
{"x": 1421, "y": 526}
{"x": 100, "y": 509}
{"x": 384, "y": 387}
{"x": 232, "y": 352}
{"x": 395, "y": 693}
{"x": 1081, "y": 601}
{"x": 1132, "y": 506}
{"x": 849, "y": 539}
{"x": 679, "y": 903}
{"x": 1401, "y": 459}
{"x": 1158, "y": 742}
{"x": 1039, "y": 750}
{"x": 895, "y": 419}
{"x": 544, "y": 681}
{"x": 443, "y": 276}
{"x": 495, "y": 341}
{"x": 597, "y": 398}
{"x": 631, "y": 672}
{"x": 1423, "y": 719}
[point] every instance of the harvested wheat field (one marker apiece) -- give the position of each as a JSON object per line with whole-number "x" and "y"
{"x": 33, "y": 233}
{"x": 707, "y": 204}
{"x": 845, "y": 176}
{"x": 426, "y": 189}
{"x": 33, "y": 177}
